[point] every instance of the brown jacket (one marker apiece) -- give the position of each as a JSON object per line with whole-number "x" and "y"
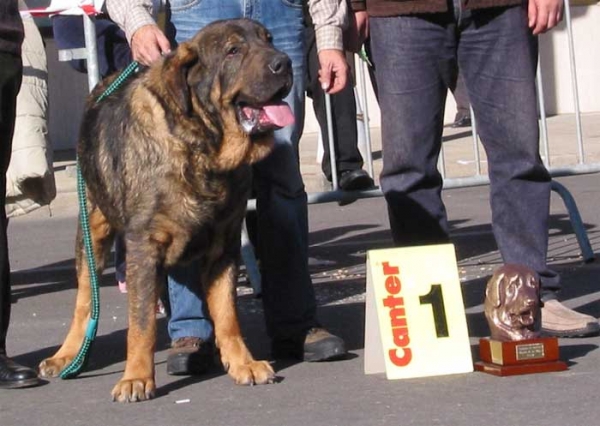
{"x": 407, "y": 7}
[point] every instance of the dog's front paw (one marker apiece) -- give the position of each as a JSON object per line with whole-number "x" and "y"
{"x": 253, "y": 373}
{"x": 51, "y": 367}
{"x": 134, "y": 390}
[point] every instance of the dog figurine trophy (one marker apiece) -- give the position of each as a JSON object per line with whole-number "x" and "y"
{"x": 513, "y": 312}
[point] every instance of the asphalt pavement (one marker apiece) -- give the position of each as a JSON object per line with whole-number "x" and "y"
{"x": 336, "y": 393}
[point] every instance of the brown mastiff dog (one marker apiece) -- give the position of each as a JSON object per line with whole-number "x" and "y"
{"x": 167, "y": 162}
{"x": 512, "y": 303}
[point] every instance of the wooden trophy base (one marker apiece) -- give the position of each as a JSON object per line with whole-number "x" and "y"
{"x": 519, "y": 356}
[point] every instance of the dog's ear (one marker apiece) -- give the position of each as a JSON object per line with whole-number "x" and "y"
{"x": 175, "y": 74}
{"x": 494, "y": 292}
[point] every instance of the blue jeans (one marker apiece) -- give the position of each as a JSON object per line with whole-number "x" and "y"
{"x": 416, "y": 59}
{"x": 282, "y": 213}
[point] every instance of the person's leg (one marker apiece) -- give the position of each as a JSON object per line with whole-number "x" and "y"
{"x": 10, "y": 81}
{"x": 282, "y": 212}
{"x": 504, "y": 101}
{"x": 343, "y": 114}
{"x": 187, "y": 317}
{"x": 189, "y": 327}
{"x": 12, "y": 375}
{"x": 463, "y": 110}
{"x": 414, "y": 58}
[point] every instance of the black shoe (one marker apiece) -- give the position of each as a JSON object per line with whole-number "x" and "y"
{"x": 464, "y": 121}
{"x": 13, "y": 375}
{"x": 355, "y": 180}
{"x": 317, "y": 345}
{"x": 189, "y": 356}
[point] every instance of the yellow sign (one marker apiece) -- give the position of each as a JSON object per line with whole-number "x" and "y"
{"x": 415, "y": 318}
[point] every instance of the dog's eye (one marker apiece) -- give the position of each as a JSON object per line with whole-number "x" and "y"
{"x": 233, "y": 50}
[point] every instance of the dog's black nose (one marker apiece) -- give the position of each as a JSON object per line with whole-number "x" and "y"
{"x": 280, "y": 64}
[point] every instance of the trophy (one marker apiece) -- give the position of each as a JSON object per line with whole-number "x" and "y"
{"x": 513, "y": 311}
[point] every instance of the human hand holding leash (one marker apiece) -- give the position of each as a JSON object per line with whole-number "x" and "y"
{"x": 148, "y": 44}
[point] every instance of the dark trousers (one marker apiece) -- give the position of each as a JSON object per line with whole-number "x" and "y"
{"x": 10, "y": 81}
{"x": 416, "y": 59}
{"x": 343, "y": 111}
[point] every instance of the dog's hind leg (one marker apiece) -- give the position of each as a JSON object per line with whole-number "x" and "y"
{"x": 102, "y": 235}
{"x": 235, "y": 356}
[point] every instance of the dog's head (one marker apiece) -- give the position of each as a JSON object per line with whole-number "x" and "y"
{"x": 512, "y": 304}
{"x": 231, "y": 76}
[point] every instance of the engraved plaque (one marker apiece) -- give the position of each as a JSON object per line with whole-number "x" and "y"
{"x": 530, "y": 351}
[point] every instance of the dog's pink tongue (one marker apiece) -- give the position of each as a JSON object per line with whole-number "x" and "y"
{"x": 279, "y": 114}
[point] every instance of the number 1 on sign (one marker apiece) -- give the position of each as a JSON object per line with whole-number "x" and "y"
{"x": 435, "y": 298}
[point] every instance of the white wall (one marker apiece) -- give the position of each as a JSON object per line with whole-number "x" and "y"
{"x": 555, "y": 62}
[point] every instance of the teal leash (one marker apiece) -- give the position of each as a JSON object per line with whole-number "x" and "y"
{"x": 79, "y": 362}
{"x": 132, "y": 68}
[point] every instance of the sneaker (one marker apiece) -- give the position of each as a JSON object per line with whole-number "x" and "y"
{"x": 122, "y": 286}
{"x": 560, "y": 321}
{"x": 189, "y": 356}
{"x": 318, "y": 345}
